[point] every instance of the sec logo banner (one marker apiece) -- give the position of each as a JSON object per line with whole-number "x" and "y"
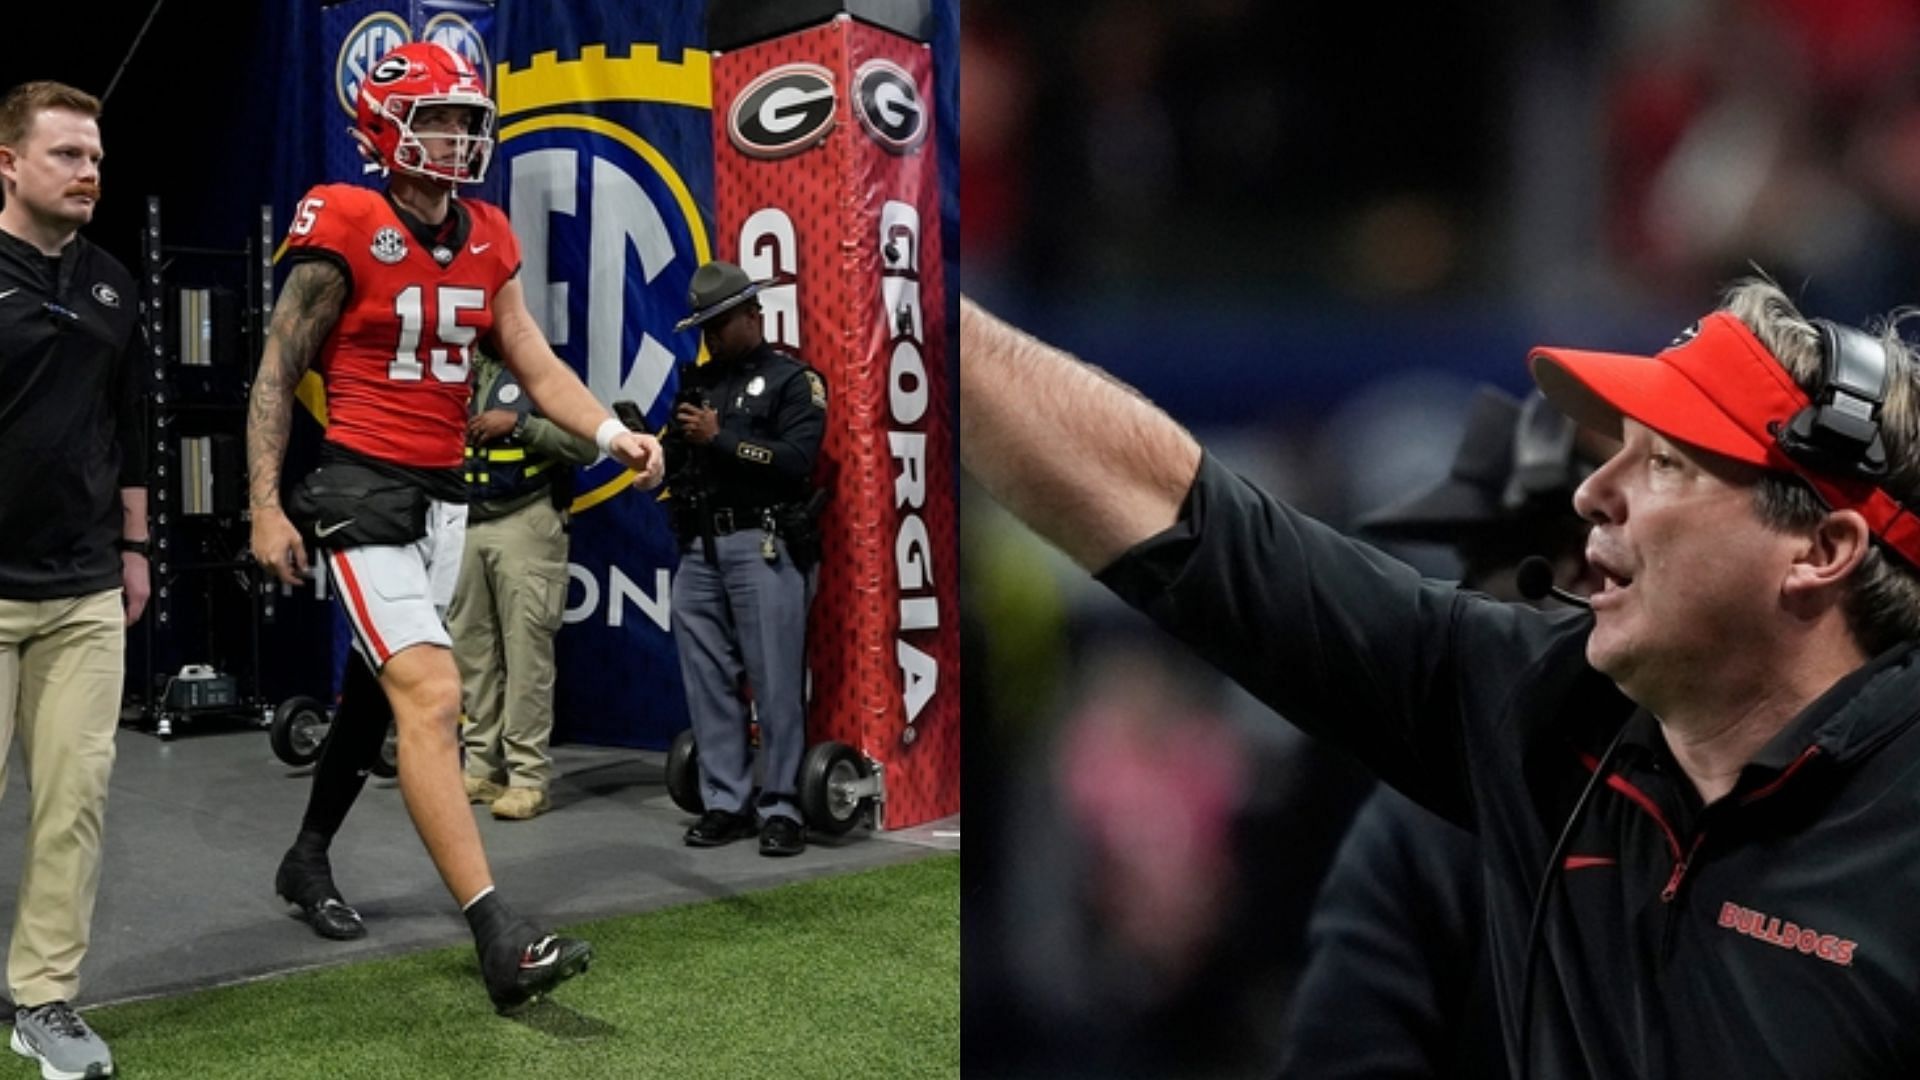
{"x": 459, "y": 36}
{"x": 375, "y": 36}
{"x": 610, "y": 233}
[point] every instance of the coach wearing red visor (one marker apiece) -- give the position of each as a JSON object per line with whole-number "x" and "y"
{"x": 1698, "y": 805}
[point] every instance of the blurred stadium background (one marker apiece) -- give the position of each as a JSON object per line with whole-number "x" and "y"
{"x": 1309, "y": 232}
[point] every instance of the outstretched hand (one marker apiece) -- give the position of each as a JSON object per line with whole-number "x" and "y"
{"x": 640, "y": 452}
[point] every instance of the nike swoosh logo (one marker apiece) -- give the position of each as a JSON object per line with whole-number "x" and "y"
{"x": 544, "y": 945}
{"x": 324, "y": 531}
{"x": 478, "y": 248}
{"x": 9, "y": 292}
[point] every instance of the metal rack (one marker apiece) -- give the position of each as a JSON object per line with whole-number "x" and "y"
{"x": 206, "y": 313}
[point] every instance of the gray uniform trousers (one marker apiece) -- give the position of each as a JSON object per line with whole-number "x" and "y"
{"x": 746, "y": 614}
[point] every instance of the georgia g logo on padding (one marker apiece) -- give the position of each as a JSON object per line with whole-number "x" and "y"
{"x": 782, "y": 112}
{"x": 888, "y": 104}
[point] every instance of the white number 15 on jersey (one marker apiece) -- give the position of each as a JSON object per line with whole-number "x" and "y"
{"x": 448, "y": 360}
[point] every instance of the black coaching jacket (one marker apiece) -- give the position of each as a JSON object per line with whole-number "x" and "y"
{"x": 1774, "y": 933}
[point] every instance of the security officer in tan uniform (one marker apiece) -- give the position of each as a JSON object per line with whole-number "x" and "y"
{"x": 512, "y": 589}
{"x": 740, "y": 455}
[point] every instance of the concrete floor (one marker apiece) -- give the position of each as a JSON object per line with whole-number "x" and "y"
{"x": 196, "y": 826}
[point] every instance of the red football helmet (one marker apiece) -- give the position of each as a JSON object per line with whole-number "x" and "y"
{"x": 418, "y": 76}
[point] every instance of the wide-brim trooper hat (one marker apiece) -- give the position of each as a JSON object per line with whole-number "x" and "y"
{"x": 718, "y": 287}
{"x": 1468, "y": 499}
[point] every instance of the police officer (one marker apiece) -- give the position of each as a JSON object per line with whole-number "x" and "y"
{"x": 512, "y": 589}
{"x": 746, "y": 432}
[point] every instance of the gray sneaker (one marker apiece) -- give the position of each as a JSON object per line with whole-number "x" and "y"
{"x": 65, "y": 1046}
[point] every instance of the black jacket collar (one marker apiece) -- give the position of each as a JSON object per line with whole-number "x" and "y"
{"x": 68, "y": 261}
{"x": 1853, "y": 718}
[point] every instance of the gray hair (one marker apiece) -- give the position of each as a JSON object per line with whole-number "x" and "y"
{"x": 1883, "y": 607}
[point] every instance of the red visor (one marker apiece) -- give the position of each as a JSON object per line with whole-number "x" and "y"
{"x": 1719, "y": 389}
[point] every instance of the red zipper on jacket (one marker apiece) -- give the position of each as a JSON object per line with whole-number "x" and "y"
{"x": 1680, "y": 869}
{"x": 1645, "y": 802}
{"x": 1681, "y": 862}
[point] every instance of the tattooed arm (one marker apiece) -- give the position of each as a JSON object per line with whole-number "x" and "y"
{"x": 309, "y": 305}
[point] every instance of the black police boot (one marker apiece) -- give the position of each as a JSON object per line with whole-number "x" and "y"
{"x": 717, "y": 827}
{"x": 782, "y": 836}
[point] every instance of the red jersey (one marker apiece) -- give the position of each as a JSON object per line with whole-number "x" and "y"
{"x": 396, "y": 363}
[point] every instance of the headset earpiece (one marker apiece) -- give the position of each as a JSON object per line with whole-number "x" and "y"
{"x": 1839, "y": 432}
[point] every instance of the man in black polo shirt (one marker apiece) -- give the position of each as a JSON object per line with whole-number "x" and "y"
{"x": 1695, "y": 802}
{"x": 73, "y": 536}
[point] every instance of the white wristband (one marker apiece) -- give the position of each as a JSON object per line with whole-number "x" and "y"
{"x": 610, "y": 428}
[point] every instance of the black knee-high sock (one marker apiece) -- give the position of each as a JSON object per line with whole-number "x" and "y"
{"x": 489, "y": 917}
{"x": 353, "y": 744}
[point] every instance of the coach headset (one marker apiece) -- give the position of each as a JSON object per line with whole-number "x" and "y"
{"x": 1837, "y": 433}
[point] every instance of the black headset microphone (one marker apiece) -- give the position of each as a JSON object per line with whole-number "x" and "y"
{"x": 1534, "y": 579}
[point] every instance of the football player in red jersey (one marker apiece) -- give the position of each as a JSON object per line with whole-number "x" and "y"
{"x": 388, "y": 294}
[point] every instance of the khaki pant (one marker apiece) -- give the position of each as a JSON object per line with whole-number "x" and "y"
{"x": 506, "y": 609}
{"x": 61, "y": 667}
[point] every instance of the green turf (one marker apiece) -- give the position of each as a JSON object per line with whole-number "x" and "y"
{"x": 854, "y": 976}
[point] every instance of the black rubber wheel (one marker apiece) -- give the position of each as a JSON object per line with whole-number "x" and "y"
{"x": 299, "y": 730}
{"x": 387, "y": 765}
{"x": 683, "y": 773}
{"x": 826, "y": 774}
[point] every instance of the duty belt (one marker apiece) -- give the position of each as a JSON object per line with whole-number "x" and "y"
{"x": 728, "y": 520}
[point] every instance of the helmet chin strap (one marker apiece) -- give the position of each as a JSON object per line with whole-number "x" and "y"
{"x": 370, "y": 160}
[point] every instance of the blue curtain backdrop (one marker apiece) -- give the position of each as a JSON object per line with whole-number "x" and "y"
{"x": 607, "y": 167}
